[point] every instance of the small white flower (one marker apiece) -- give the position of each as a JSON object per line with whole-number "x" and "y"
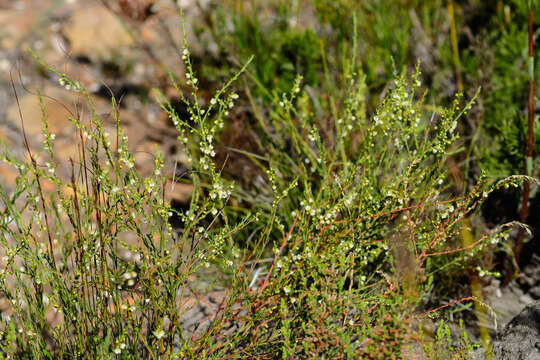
{"x": 213, "y": 101}
{"x": 159, "y": 333}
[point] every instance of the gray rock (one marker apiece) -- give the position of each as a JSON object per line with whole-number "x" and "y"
{"x": 526, "y": 299}
{"x": 520, "y": 338}
{"x": 531, "y": 270}
{"x": 515, "y": 289}
{"x": 535, "y": 292}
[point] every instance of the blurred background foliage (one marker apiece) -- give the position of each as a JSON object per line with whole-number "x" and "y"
{"x": 308, "y": 37}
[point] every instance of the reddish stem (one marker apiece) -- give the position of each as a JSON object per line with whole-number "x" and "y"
{"x": 529, "y": 155}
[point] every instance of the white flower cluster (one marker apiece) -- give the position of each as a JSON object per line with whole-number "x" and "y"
{"x": 286, "y": 102}
{"x": 68, "y": 84}
{"x": 297, "y": 84}
{"x": 130, "y": 277}
{"x": 220, "y": 190}
{"x": 128, "y": 162}
{"x": 150, "y": 185}
{"x": 119, "y": 347}
{"x": 206, "y": 146}
{"x": 190, "y": 76}
{"x": 50, "y": 168}
{"x": 159, "y": 333}
{"x": 329, "y": 216}
{"x": 191, "y": 80}
{"x": 445, "y": 210}
{"x": 309, "y": 207}
{"x": 49, "y": 137}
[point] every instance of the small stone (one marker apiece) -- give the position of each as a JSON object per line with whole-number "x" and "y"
{"x": 95, "y": 32}
{"x": 530, "y": 270}
{"x": 526, "y": 299}
{"x": 56, "y": 110}
{"x": 515, "y": 289}
{"x": 535, "y": 292}
{"x": 526, "y": 282}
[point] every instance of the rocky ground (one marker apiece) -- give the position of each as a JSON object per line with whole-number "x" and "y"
{"x": 114, "y": 49}
{"x": 517, "y": 309}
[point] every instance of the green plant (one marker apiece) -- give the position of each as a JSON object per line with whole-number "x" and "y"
{"x": 329, "y": 253}
{"x": 446, "y": 346}
{"x": 98, "y": 251}
{"x": 505, "y": 81}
